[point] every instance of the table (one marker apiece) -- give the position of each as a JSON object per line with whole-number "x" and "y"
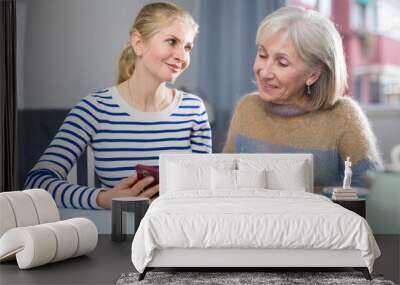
{"x": 122, "y": 205}
{"x": 104, "y": 265}
{"x": 356, "y": 205}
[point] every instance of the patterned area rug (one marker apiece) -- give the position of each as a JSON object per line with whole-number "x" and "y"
{"x": 242, "y": 278}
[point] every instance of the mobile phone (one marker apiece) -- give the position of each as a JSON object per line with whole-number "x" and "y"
{"x": 144, "y": 171}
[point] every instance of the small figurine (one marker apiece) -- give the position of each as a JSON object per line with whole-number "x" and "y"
{"x": 347, "y": 174}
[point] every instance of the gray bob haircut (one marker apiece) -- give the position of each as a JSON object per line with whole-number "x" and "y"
{"x": 318, "y": 44}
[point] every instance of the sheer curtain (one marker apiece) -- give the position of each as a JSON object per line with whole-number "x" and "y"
{"x": 8, "y": 99}
{"x": 226, "y": 50}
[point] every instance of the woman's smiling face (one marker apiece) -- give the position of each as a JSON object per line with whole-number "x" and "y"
{"x": 281, "y": 74}
{"x": 167, "y": 54}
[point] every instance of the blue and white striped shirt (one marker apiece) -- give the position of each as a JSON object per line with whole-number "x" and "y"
{"x": 120, "y": 137}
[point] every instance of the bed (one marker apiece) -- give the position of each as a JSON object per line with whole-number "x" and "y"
{"x": 246, "y": 211}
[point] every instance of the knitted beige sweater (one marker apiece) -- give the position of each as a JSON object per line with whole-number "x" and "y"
{"x": 330, "y": 135}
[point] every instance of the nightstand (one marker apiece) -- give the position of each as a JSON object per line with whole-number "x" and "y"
{"x": 357, "y": 206}
{"x": 120, "y": 208}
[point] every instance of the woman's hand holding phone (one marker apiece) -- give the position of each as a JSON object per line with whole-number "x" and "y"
{"x": 143, "y": 171}
{"x": 131, "y": 186}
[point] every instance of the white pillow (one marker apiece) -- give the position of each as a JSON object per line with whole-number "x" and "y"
{"x": 183, "y": 177}
{"x": 282, "y": 174}
{"x": 223, "y": 179}
{"x": 292, "y": 178}
{"x": 223, "y": 164}
{"x": 251, "y": 178}
{"x": 229, "y": 179}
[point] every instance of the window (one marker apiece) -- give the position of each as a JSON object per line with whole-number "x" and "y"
{"x": 358, "y": 16}
{"x": 358, "y": 88}
{"x": 375, "y": 92}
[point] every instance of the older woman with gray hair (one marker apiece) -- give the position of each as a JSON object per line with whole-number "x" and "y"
{"x": 300, "y": 105}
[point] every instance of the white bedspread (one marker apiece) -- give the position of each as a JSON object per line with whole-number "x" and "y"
{"x": 250, "y": 219}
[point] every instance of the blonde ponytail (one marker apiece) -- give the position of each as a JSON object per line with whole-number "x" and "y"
{"x": 151, "y": 19}
{"x": 126, "y": 64}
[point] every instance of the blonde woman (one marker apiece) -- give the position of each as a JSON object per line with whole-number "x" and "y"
{"x": 300, "y": 106}
{"x": 133, "y": 122}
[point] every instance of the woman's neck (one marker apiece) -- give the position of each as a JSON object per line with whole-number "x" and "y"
{"x": 145, "y": 94}
{"x": 294, "y": 108}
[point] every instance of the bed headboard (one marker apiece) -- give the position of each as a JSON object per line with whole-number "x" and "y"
{"x": 284, "y": 167}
